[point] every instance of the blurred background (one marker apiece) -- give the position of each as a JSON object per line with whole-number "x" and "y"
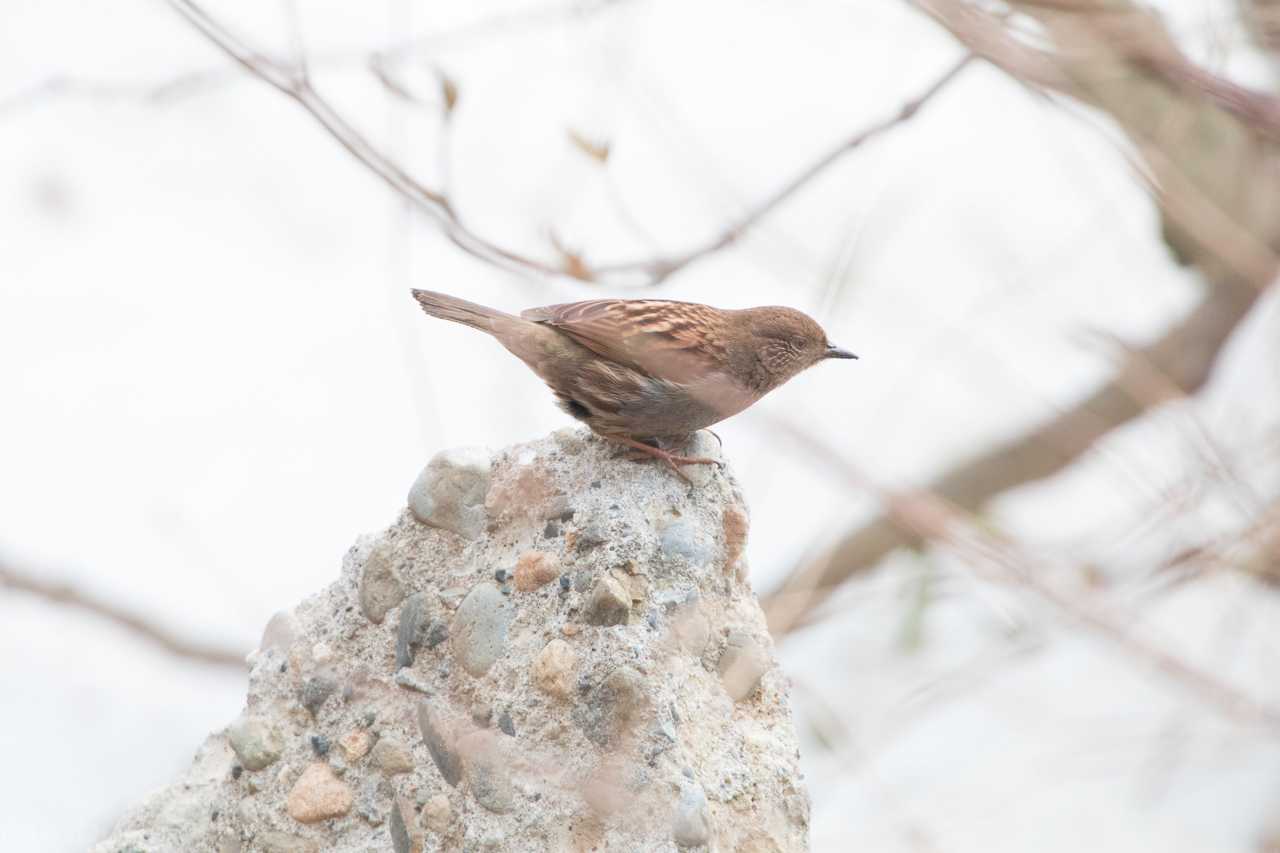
{"x": 1022, "y": 560}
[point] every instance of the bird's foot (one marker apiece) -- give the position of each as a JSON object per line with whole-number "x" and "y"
{"x": 640, "y": 451}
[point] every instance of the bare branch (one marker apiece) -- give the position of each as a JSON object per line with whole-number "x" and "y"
{"x": 435, "y": 203}
{"x": 65, "y": 595}
{"x": 931, "y": 517}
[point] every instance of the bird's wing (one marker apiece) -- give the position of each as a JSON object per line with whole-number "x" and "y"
{"x": 674, "y": 341}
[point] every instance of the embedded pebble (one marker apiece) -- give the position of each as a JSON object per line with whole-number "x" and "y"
{"x": 553, "y": 669}
{"x": 316, "y": 690}
{"x": 742, "y": 664}
{"x": 479, "y": 630}
{"x": 280, "y": 633}
{"x": 692, "y": 824}
{"x": 318, "y": 795}
{"x": 437, "y": 814}
{"x": 450, "y": 492}
{"x": 415, "y": 616}
{"x": 283, "y": 842}
{"x": 392, "y": 756}
{"x": 535, "y": 569}
{"x": 608, "y": 604}
{"x": 682, "y": 539}
{"x": 401, "y": 840}
{"x": 381, "y": 587}
{"x": 355, "y": 744}
{"x": 255, "y": 743}
{"x": 613, "y": 708}
{"x": 487, "y": 773}
{"x": 439, "y": 739}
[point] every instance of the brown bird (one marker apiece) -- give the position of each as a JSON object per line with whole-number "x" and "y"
{"x": 641, "y": 371}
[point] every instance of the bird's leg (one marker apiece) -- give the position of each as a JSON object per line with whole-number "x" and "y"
{"x": 673, "y": 460}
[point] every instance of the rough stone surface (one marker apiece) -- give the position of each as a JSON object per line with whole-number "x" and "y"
{"x": 255, "y": 742}
{"x": 531, "y": 727}
{"x": 535, "y": 569}
{"x": 318, "y": 795}
{"x": 450, "y": 492}
{"x": 742, "y": 664}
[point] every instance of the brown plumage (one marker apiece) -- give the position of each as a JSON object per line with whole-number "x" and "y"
{"x": 638, "y": 371}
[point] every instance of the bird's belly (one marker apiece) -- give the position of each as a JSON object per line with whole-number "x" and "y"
{"x": 667, "y": 409}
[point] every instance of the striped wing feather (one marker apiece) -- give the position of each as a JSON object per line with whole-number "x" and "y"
{"x": 673, "y": 341}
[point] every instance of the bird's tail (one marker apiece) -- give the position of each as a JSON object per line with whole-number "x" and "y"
{"x": 460, "y": 310}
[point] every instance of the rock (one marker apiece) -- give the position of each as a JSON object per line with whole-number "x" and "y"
{"x": 535, "y": 569}
{"x": 692, "y": 825}
{"x": 380, "y": 585}
{"x": 614, "y": 708}
{"x": 315, "y": 691}
{"x": 691, "y": 628}
{"x": 609, "y": 603}
{"x": 392, "y": 756}
{"x": 479, "y": 630}
{"x": 402, "y": 840}
{"x": 683, "y": 540}
{"x": 734, "y": 529}
{"x": 439, "y": 739}
{"x": 255, "y": 742}
{"x": 545, "y": 731}
{"x": 742, "y": 664}
{"x": 487, "y": 773}
{"x": 318, "y": 795}
{"x": 280, "y": 633}
{"x": 417, "y": 616}
{"x": 437, "y": 814}
{"x": 553, "y": 669}
{"x": 450, "y": 492}
{"x": 355, "y": 744}
{"x": 283, "y": 842}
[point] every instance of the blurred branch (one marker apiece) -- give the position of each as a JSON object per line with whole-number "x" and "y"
{"x": 1216, "y": 179}
{"x": 65, "y": 595}
{"x": 997, "y": 559}
{"x": 293, "y": 82}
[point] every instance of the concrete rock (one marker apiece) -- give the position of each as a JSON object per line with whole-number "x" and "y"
{"x": 563, "y": 716}
{"x": 450, "y": 492}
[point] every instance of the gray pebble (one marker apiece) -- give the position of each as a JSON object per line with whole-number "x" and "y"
{"x": 488, "y": 777}
{"x": 255, "y": 743}
{"x": 414, "y": 619}
{"x": 681, "y": 539}
{"x": 450, "y": 491}
{"x": 380, "y": 585}
{"x": 400, "y": 840}
{"x": 479, "y": 631}
{"x": 506, "y": 724}
{"x": 315, "y": 691}
{"x": 692, "y": 824}
{"x": 439, "y": 742}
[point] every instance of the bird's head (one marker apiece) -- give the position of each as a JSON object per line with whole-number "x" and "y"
{"x": 787, "y": 341}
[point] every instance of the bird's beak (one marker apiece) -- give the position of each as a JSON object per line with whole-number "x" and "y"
{"x": 834, "y": 351}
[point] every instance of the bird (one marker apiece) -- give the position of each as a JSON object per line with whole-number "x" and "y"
{"x": 647, "y": 372}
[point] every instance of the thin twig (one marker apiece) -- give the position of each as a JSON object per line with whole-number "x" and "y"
{"x": 65, "y": 595}
{"x": 646, "y": 272}
{"x": 997, "y": 559}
